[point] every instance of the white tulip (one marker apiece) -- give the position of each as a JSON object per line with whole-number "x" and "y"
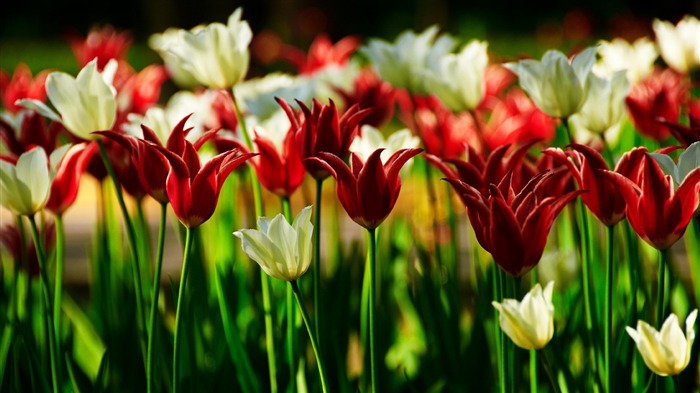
{"x": 86, "y": 103}
{"x": 530, "y": 323}
{"x": 459, "y": 79}
{"x": 283, "y": 251}
{"x": 605, "y": 103}
{"x": 680, "y": 44}
{"x": 637, "y": 59}
{"x": 665, "y": 352}
{"x": 216, "y": 55}
{"x": 557, "y": 86}
{"x": 404, "y": 62}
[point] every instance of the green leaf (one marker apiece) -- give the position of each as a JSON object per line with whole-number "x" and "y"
{"x": 88, "y": 348}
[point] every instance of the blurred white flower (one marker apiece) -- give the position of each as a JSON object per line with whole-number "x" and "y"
{"x": 665, "y": 352}
{"x": 257, "y": 95}
{"x": 459, "y": 79}
{"x": 403, "y": 63}
{"x": 680, "y": 44}
{"x": 530, "y": 323}
{"x": 215, "y": 55}
{"x": 604, "y": 107}
{"x": 637, "y": 58}
{"x": 371, "y": 139}
{"x": 557, "y": 86}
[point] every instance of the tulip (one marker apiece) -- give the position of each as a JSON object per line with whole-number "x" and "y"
{"x": 658, "y": 97}
{"x": 636, "y": 59}
{"x": 686, "y": 134}
{"x": 443, "y": 133}
{"x": 515, "y": 119}
{"x": 602, "y": 198}
{"x": 604, "y": 107}
{"x": 27, "y": 131}
{"x": 321, "y": 53}
{"x": 367, "y": 190}
{"x": 404, "y": 62}
{"x": 459, "y": 79}
{"x": 282, "y": 250}
{"x": 322, "y": 130}
{"x": 480, "y": 173}
{"x": 215, "y": 55}
{"x": 656, "y": 210}
{"x": 64, "y": 188}
{"x": 679, "y": 45}
{"x": 279, "y": 166}
{"x": 26, "y": 184}
{"x": 513, "y": 225}
{"x": 369, "y": 91}
{"x": 558, "y": 86}
{"x": 665, "y": 352}
{"x": 86, "y": 103}
{"x": 21, "y": 85}
{"x": 192, "y": 188}
{"x": 530, "y": 323}
{"x": 101, "y": 43}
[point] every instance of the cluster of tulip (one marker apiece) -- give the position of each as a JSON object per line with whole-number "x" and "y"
{"x": 526, "y": 146}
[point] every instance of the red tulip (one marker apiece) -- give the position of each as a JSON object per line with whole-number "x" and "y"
{"x": 193, "y": 189}
{"x": 321, "y": 53}
{"x": 369, "y": 91}
{"x": 64, "y": 188}
{"x": 21, "y": 85}
{"x": 656, "y": 210}
{"x": 513, "y": 225}
{"x": 103, "y": 43}
{"x": 481, "y": 174}
{"x": 686, "y": 135}
{"x": 280, "y": 172}
{"x": 603, "y": 198}
{"x": 367, "y": 190}
{"x": 141, "y": 90}
{"x": 321, "y": 130}
{"x": 659, "y": 96}
{"x": 33, "y": 131}
{"x": 151, "y": 166}
{"x": 442, "y": 132}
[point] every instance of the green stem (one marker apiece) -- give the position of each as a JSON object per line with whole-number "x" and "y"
{"x": 155, "y": 293}
{"x": 498, "y": 297}
{"x": 660, "y": 289}
{"x": 144, "y": 237}
{"x": 133, "y": 241}
{"x": 178, "y": 310}
{"x": 316, "y": 268}
{"x": 533, "y": 353}
{"x": 312, "y": 337}
{"x": 660, "y": 292}
{"x": 372, "y": 257}
{"x": 58, "y": 289}
{"x": 504, "y": 344}
{"x": 585, "y": 271}
{"x": 264, "y": 278}
{"x": 608, "y": 310}
{"x": 53, "y": 352}
{"x": 292, "y": 356}
{"x": 547, "y": 363}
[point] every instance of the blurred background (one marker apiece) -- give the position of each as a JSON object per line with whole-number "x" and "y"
{"x": 34, "y": 32}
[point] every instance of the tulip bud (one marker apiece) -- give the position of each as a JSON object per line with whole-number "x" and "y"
{"x": 665, "y": 352}
{"x": 530, "y": 323}
{"x": 283, "y": 251}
